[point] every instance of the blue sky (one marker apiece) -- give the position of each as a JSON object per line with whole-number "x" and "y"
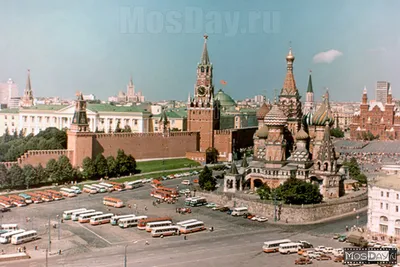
{"x": 93, "y": 46}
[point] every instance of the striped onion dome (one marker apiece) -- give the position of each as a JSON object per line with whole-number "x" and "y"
{"x": 301, "y": 134}
{"x": 262, "y": 132}
{"x": 307, "y": 118}
{"x": 275, "y": 117}
{"x": 324, "y": 114}
{"x": 262, "y": 111}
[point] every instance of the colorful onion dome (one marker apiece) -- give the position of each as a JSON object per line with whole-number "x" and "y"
{"x": 275, "y": 117}
{"x": 301, "y": 134}
{"x": 262, "y": 111}
{"x": 307, "y": 118}
{"x": 324, "y": 114}
{"x": 262, "y": 132}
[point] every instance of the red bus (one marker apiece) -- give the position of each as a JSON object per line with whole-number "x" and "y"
{"x": 143, "y": 222}
{"x": 161, "y": 194}
{"x": 172, "y": 191}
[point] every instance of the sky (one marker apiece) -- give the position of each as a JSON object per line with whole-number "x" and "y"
{"x": 94, "y": 46}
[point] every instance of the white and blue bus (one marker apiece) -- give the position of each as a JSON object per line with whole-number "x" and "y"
{"x": 27, "y": 198}
{"x": 76, "y": 214}
{"x": 24, "y": 237}
{"x": 68, "y": 213}
{"x": 115, "y": 219}
{"x": 6, "y": 238}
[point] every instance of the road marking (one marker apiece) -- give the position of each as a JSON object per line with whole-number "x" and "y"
{"x": 127, "y": 242}
{"x": 207, "y": 259}
{"x": 99, "y": 236}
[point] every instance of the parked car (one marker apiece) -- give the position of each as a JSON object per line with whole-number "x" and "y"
{"x": 4, "y": 209}
{"x": 327, "y": 250}
{"x": 336, "y": 236}
{"x": 320, "y": 248}
{"x": 306, "y": 244}
{"x": 339, "y": 259}
{"x": 302, "y": 261}
{"x": 323, "y": 257}
{"x": 302, "y": 252}
{"x": 211, "y": 205}
{"x": 224, "y": 209}
{"x": 314, "y": 254}
{"x": 337, "y": 252}
{"x": 342, "y": 238}
{"x": 217, "y": 208}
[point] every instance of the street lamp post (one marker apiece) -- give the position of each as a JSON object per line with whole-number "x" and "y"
{"x": 125, "y": 257}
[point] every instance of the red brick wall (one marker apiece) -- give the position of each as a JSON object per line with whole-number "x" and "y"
{"x": 223, "y": 143}
{"x": 36, "y": 157}
{"x": 146, "y": 145}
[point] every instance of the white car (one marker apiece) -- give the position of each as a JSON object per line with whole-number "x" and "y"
{"x": 320, "y": 248}
{"x": 186, "y": 182}
{"x": 255, "y": 218}
{"x": 327, "y": 250}
{"x": 337, "y": 252}
{"x": 314, "y": 254}
{"x": 262, "y": 219}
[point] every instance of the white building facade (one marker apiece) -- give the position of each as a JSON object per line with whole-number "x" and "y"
{"x": 384, "y": 208}
{"x": 101, "y": 117}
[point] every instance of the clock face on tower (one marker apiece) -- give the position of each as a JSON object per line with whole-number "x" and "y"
{"x": 201, "y": 91}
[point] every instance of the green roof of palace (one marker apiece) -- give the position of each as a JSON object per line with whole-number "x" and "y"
{"x": 179, "y": 113}
{"x": 9, "y": 110}
{"x": 45, "y": 107}
{"x": 224, "y": 99}
{"x": 112, "y": 108}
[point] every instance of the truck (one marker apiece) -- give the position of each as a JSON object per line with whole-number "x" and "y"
{"x": 357, "y": 240}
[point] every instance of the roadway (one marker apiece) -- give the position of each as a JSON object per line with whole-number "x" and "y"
{"x": 235, "y": 241}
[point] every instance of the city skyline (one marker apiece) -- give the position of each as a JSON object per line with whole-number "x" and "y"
{"x": 95, "y": 50}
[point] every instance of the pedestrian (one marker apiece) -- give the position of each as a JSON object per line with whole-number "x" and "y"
{"x": 36, "y": 247}
{"x": 59, "y": 252}
{"x": 184, "y": 237}
{"x": 147, "y": 242}
{"x": 347, "y": 228}
{"x": 24, "y": 248}
{"x": 145, "y": 208}
{"x": 287, "y": 220}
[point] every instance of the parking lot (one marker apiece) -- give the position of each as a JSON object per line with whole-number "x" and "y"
{"x": 233, "y": 238}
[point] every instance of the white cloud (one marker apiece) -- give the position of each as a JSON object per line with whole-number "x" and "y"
{"x": 327, "y": 57}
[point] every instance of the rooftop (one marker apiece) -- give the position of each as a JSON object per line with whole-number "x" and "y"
{"x": 8, "y": 110}
{"x": 45, "y": 107}
{"x": 112, "y": 108}
{"x": 389, "y": 182}
{"x": 178, "y": 113}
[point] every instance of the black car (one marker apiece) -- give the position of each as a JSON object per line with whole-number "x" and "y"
{"x": 5, "y": 209}
{"x": 306, "y": 244}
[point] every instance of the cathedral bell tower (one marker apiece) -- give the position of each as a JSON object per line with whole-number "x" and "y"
{"x": 203, "y": 111}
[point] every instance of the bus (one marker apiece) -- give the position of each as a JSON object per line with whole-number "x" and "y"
{"x": 189, "y": 200}
{"x": 68, "y": 192}
{"x": 17, "y": 201}
{"x": 68, "y": 213}
{"x": 186, "y": 222}
{"x": 114, "y": 219}
{"x": 172, "y": 191}
{"x": 165, "y": 231}
{"x": 76, "y": 214}
{"x": 129, "y": 222}
{"x": 26, "y": 197}
{"x": 192, "y": 227}
{"x": 152, "y": 225}
{"x": 113, "y": 202}
{"x": 134, "y": 184}
{"x": 142, "y": 223}
{"x": 201, "y": 201}
{"x": 117, "y": 186}
{"x": 36, "y": 198}
{"x": 85, "y": 218}
{"x": 4, "y": 201}
{"x": 108, "y": 186}
{"x": 45, "y": 196}
{"x": 55, "y": 194}
{"x": 89, "y": 189}
{"x": 273, "y": 246}
{"x": 161, "y": 194}
{"x": 101, "y": 219}
{"x": 6, "y": 238}
{"x": 24, "y": 237}
{"x": 100, "y": 188}
{"x": 288, "y": 248}
{"x": 76, "y": 189}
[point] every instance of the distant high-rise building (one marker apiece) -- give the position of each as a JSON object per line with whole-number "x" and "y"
{"x": 381, "y": 92}
{"x": 259, "y": 99}
{"x": 8, "y": 90}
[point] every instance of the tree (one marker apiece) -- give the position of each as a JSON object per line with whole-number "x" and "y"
{"x": 89, "y": 169}
{"x": 65, "y": 169}
{"x": 127, "y": 129}
{"x": 100, "y": 164}
{"x": 211, "y": 155}
{"x": 206, "y": 180}
{"x": 29, "y": 175}
{"x": 264, "y": 192}
{"x": 122, "y": 163}
{"x": 16, "y": 176}
{"x": 337, "y": 132}
{"x": 118, "y": 127}
{"x": 4, "y": 179}
{"x": 51, "y": 171}
{"x": 297, "y": 192}
{"x": 41, "y": 175}
{"x": 362, "y": 178}
{"x": 111, "y": 166}
{"x": 354, "y": 171}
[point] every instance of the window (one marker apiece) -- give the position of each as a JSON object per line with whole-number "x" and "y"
{"x": 40, "y": 119}
{"x": 397, "y": 196}
{"x": 381, "y": 205}
{"x": 397, "y": 231}
{"x": 47, "y": 119}
{"x": 12, "y": 123}
{"x": 33, "y": 130}
{"x": 25, "y": 118}
{"x": 172, "y": 121}
{"x": 12, "y": 117}
{"x": 387, "y": 206}
{"x": 5, "y": 124}
{"x": 381, "y": 193}
{"x": 397, "y": 208}
{"x": 387, "y": 194}
{"x": 5, "y": 117}
{"x": 135, "y": 122}
{"x": 32, "y": 119}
